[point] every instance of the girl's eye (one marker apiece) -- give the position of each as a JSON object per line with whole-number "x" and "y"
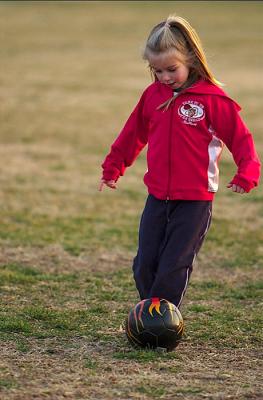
{"x": 158, "y": 71}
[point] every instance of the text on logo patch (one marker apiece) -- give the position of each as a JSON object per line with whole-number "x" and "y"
{"x": 191, "y": 112}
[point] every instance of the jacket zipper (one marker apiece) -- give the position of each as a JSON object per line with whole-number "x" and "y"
{"x": 170, "y": 142}
{"x": 169, "y": 156}
{"x": 170, "y": 149}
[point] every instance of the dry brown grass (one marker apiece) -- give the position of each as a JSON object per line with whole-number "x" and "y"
{"x": 78, "y": 370}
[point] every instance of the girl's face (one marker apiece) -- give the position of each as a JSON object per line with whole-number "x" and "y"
{"x": 169, "y": 68}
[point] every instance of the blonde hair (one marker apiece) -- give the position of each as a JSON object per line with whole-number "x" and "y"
{"x": 176, "y": 33}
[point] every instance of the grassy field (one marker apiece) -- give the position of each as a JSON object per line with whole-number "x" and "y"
{"x": 70, "y": 74}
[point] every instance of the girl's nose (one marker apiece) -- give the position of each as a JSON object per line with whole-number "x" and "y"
{"x": 166, "y": 78}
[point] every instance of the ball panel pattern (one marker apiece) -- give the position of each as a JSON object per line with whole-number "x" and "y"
{"x": 154, "y": 323}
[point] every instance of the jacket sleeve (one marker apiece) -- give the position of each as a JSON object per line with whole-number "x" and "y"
{"x": 231, "y": 129}
{"x": 131, "y": 140}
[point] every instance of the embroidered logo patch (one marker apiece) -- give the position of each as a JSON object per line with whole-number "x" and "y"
{"x": 191, "y": 112}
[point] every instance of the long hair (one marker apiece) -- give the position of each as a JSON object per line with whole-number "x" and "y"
{"x": 176, "y": 33}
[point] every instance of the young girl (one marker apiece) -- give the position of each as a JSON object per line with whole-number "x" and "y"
{"x": 185, "y": 118}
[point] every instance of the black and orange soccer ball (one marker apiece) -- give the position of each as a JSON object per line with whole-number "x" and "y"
{"x": 155, "y": 324}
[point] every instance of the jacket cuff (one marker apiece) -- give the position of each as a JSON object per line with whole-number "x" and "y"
{"x": 112, "y": 174}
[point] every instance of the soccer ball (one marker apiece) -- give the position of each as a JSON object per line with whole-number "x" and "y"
{"x": 155, "y": 324}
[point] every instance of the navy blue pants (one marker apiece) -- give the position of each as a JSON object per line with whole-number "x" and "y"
{"x": 171, "y": 234}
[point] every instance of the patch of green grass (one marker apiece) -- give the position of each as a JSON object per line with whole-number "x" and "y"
{"x": 142, "y": 356}
{"x": 94, "y": 322}
{"x": 76, "y": 234}
{"x": 8, "y": 383}
{"x": 19, "y": 274}
{"x": 117, "y": 286}
{"x": 154, "y": 391}
{"x": 58, "y": 167}
{"x": 230, "y": 326}
{"x": 248, "y": 291}
{"x": 14, "y": 324}
{"x": 22, "y": 346}
{"x": 27, "y": 229}
{"x": 241, "y": 248}
{"x": 146, "y": 355}
{"x": 235, "y": 321}
{"x": 253, "y": 198}
{"x": 90, "y": 364}
{"x": 222, "y": 291}
{"x": 205, "y": 290}
{"x": 133, "y": 195}
{"x": 106, "y": 297}
{"x": 198, "y": 308}
{"x": 190, "y": 390}
{"x": 14, "y": 274}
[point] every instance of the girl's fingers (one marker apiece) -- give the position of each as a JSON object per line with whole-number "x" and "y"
{"x": 236, "y": 188}
{"x": 111, "y": 184}
{"x": 101, "y": 185}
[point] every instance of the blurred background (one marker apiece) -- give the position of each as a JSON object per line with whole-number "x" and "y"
{"x": 71, "y": 72}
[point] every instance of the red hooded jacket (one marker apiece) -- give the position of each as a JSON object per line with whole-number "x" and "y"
{"x": 185, "y": 142}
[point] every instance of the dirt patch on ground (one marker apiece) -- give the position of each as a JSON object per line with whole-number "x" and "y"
{"x": 54, "y": 259}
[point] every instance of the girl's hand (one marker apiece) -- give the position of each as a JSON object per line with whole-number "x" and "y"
{"x": 236, "y": 188}
{"x": 111, "y": 184}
